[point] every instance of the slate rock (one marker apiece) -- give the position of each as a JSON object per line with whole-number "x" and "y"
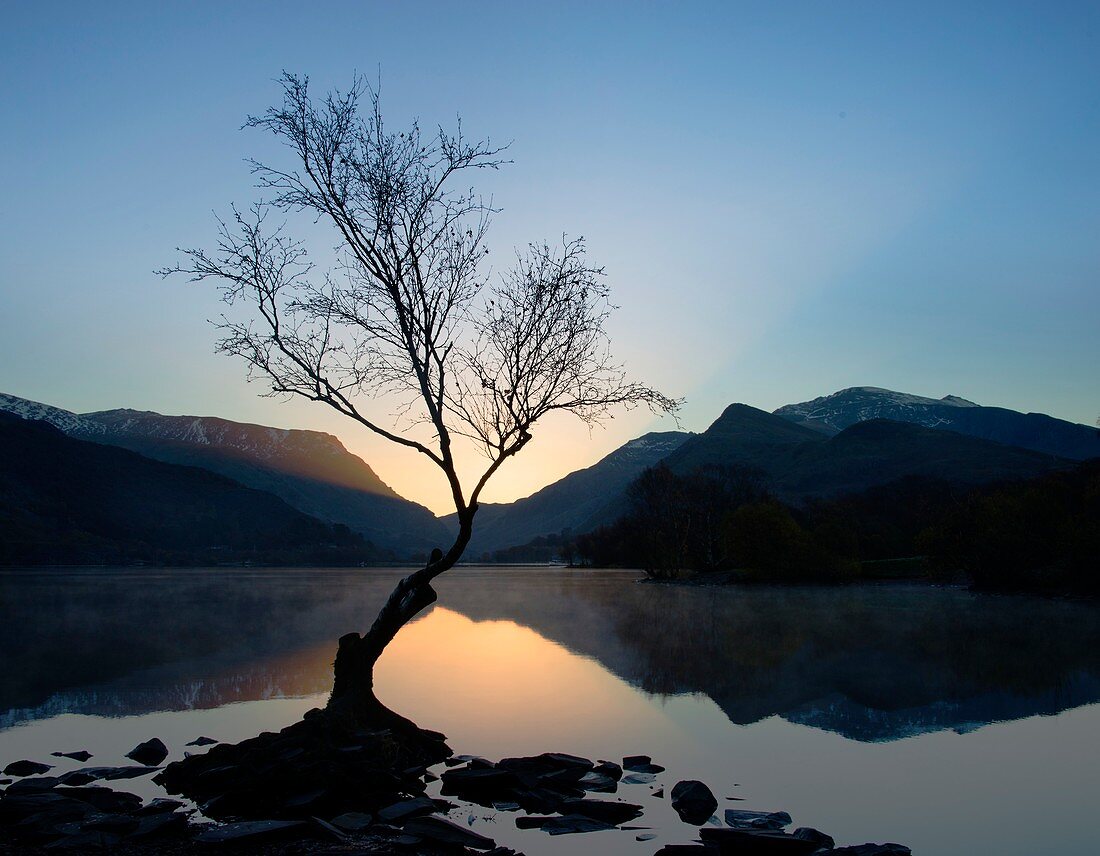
{"x": 352, "y": 821}
{"x": 104, "y": 799}
{"x": 638, "y": 779}
{"x": 693, "y": 801}
{"x": 568, "y": 824}
{"x": 202, "y": 741}
{"x": 462, "y": 780}
{"x": 740, "y": 819}
{"x": 759, "y": 842}
{"x": 633, "y": 760}
{"x": 159, "y": 805}
{"x": 33, "y": 785}
{"x": 150, "y": 753}
{"x": 608, "y": 811}
{"x": 26, "y": 768}
{"x": 110, "y": 774}
{"x": 609, "y": 769}
{"x": 445, "y": 832}
{"x": 17, "y": 807}
{"x": 82, "y": 756}
{"x": 399, "y": 811}
{"x": 160, "y": 825}
{"x": 822, "y": 840}
{"x": 598, "y": 782}
{"x": 76, "y": 777}
{"x": 254, "y": 831}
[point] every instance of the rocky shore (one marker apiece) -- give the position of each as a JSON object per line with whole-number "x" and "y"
{"x": 313, "y": 788}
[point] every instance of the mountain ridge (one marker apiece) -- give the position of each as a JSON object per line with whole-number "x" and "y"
{"x": 1036, "y": 431}
{"x": 310, "y": 470}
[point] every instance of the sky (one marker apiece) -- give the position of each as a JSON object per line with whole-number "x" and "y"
{"x": 788, "y": 198}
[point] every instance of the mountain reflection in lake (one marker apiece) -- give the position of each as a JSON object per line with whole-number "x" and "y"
{"x": 792, "y": 698}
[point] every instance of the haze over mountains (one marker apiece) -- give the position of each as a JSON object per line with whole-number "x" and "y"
{"x": 841, "y": 443}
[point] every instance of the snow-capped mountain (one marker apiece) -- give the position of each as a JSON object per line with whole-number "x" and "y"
{"x": 310, "y": 470}
{"x": 1035, "y": 431}
{"x": 860, "y": 403}
{"x": 63, "y": 420}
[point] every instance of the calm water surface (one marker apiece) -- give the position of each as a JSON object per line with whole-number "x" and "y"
{"x": 952, "y": 722}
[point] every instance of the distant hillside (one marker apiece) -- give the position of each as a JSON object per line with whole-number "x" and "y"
{"x": 879, "y": 452}
{"x": 743, "y": 436}
{"x": 64, "y": 500}
{"x": 1035, "y": 431}
{"x": 799, "y": 462}
{"x": 310, "y": 470}
{"x": 580, "y": 501}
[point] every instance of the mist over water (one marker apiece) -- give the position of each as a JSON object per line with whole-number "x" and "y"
{"x": 935, "y": 717}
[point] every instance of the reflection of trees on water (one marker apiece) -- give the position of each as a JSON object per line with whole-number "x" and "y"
{"x": 177, "y": 638}
{"x": 872, "y": 662}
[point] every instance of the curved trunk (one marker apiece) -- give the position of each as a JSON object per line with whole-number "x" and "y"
{"x": 353, "y": 698}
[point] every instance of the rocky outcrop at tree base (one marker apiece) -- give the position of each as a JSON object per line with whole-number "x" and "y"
{"x": 322, "y": 786}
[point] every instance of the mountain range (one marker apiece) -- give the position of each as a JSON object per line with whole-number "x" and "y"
{"x": 1035, "y": 431}
{"x": 309, "y": 470}
{"x": 64, "y": 500}
{"x": 846, "y": 442}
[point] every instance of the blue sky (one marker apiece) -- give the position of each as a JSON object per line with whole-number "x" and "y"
{"x": 789, "y": 198}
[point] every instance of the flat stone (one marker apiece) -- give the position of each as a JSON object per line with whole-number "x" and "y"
{"x": 329, "y": 830}
{"x": 608, "y": 811}
{"x": 571, "y": 823}
{"x": 444, "y": 831}
{"x": 822, "y": 840}
{"x": 740, "y": 819}
{"x": 26, "y": 768}
{"x": 609, "y": 769}
{"x": 103, "y": 799}
{"x": 159, "y": 806}
{"x": 150, "y": 753}
{"x": 33, "y": 785}
{"x": 632, "y": 760}
{"x": 598, "y": 782}
{"x": 203, "y": 741}
{"x": 81, "y": 756}
{"x": 638, "y": 779}
{"x": 253, "y": 831}
{"x": 645, "y": 836}
{"x": 17, "y": 807}
{"x": 352, "y": 821}
{"x": 759, "y": 842}
{"x": 406, "y": 808}
{"x": 889, "y": 849}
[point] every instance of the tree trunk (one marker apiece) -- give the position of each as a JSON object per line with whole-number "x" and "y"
{"x": 353, "y": 700}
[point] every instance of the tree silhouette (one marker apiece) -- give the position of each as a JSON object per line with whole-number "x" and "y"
{"x": 409, "y": 310}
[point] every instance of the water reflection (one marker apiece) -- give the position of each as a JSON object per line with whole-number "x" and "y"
{"x": 871, "y": 663}
{"x": 520, "y": 661}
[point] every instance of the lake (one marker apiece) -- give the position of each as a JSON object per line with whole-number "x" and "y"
{"x": 949, "y": 721}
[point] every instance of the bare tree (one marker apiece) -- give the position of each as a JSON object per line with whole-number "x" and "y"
{"x": 408, "y": 309}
